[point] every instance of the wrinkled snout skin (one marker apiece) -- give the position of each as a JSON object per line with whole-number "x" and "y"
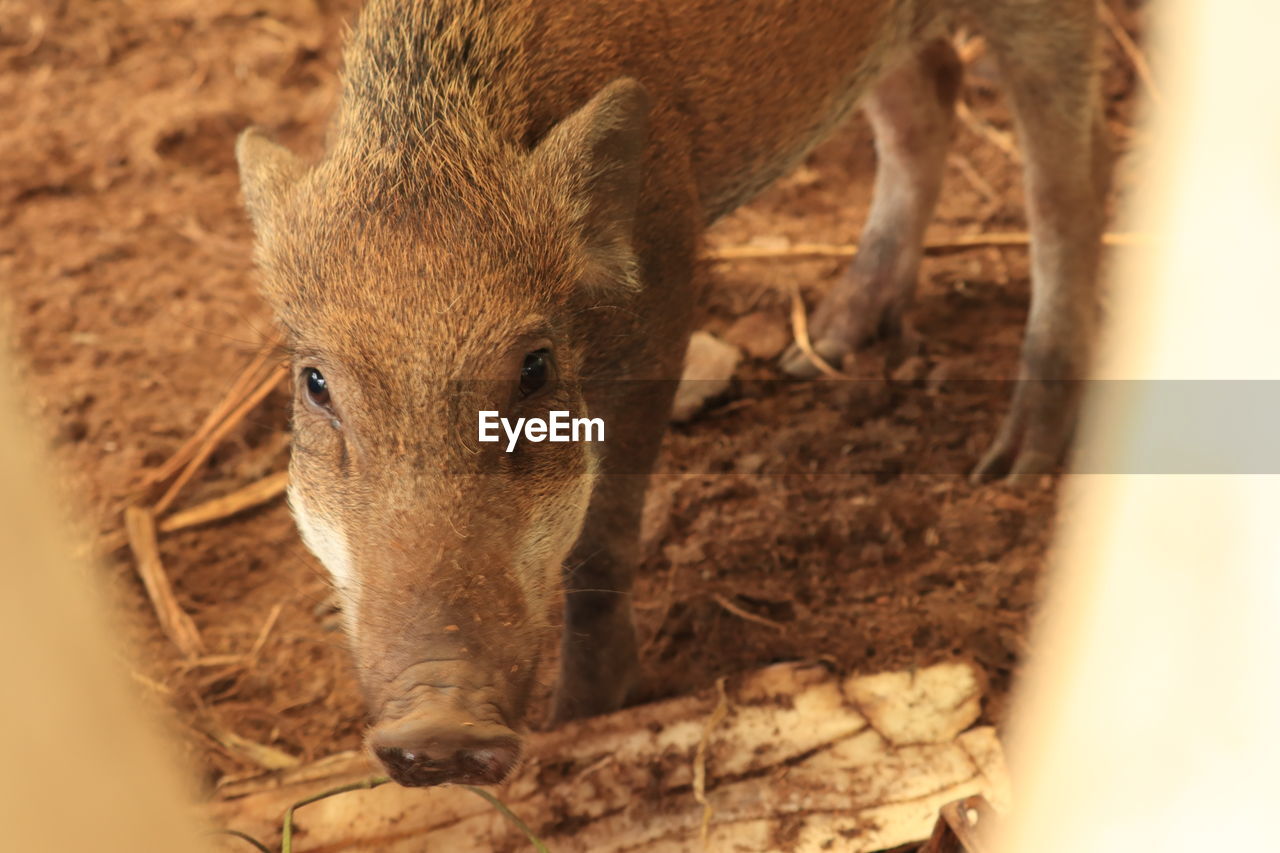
{"x": 507, "y": 217}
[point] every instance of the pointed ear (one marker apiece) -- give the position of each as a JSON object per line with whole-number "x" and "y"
{"x": 600, "y": 148}
{"x": 267, "y": 171}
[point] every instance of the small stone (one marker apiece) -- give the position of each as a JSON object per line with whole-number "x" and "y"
{"x": 708, "y": 367}
{"x": 751, "y": 463}
{"x": 760, "y": 334}
{"x": 912, "y": 369}
{"x": 940, "y": 374}
{"x": 683, "y": 554}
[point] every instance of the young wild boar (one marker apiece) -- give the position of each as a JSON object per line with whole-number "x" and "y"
{"x": 506, "y": 218}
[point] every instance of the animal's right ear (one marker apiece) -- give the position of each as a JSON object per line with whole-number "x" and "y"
{"x": 267, "y": 170}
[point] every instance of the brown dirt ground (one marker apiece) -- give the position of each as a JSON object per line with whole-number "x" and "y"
{"x": 132, "y": 299}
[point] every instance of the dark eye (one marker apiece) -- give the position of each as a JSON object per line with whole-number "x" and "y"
{"x": 535, "y": 372}
{"x": 317, "y": 387}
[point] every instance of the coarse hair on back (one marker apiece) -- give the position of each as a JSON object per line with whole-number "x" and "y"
{"x": 431, "y": 95}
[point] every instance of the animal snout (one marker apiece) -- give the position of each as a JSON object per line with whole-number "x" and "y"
{"x": 420, "y": 753}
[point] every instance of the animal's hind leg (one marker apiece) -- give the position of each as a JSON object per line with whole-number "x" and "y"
{"x": 1048, "y": 56}
{"x": 911, "y": 111}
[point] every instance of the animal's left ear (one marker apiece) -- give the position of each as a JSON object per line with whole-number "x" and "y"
{"x": 600, "y": 148}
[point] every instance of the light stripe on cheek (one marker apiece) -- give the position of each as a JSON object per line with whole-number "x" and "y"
{"x": 329, "y": 544}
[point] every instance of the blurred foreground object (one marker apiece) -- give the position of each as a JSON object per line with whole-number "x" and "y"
{"x": 82, "y": 768}
{"x": 1148, "y": 720}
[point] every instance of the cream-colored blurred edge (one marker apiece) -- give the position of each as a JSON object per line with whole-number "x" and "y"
{"x": 83, "y": 765}
{"x": 1150, "y": 718}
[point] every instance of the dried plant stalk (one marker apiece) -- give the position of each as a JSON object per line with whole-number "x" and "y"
{"x": 700, "y": 764}
{"x": 743, "y": 613}
{"x": 999, "y": 138}
{"x": 266, "y": 757}
{"x": 245, "y": 381}
{"x": 215, "y": 437}
{"x": 177, "y": 625}
{"x": 1130, "y": 48}
{"x": 800, "y": 331}
{"x": 848, "y": 250}
{"x": 254, "y": 494}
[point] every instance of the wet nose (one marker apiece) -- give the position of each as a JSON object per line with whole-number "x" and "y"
{"x": 418, "y": 754}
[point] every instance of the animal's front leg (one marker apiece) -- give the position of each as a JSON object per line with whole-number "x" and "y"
{"x": 598, "y": 653}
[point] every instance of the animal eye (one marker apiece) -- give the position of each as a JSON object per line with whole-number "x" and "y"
{"x": 317, "y": 386}
{"x": 535, "y": 372}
